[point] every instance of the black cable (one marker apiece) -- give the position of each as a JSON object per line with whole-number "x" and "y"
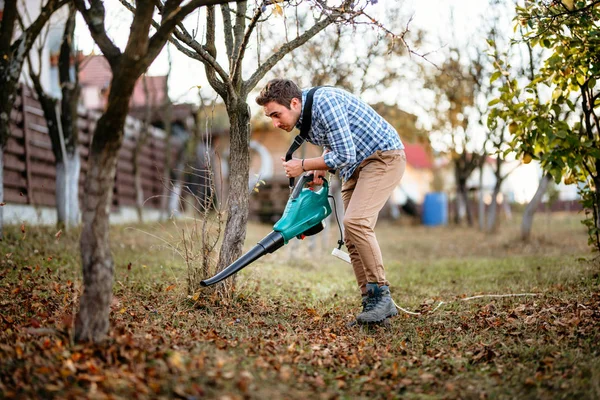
{"x": 341, "y": 241}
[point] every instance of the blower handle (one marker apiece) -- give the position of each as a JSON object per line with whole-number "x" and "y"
{"x": 305, "y": 179}
{"x": 288, "y": 157}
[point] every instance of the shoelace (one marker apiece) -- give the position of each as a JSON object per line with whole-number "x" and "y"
{"x": 372, "y": 302}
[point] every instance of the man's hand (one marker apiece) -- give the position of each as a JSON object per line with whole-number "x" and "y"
{"x": 318, "y": 177}
{"x": 293, "y": 168}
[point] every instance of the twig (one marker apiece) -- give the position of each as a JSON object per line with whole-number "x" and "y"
{"x": 499, "y": 296}
{"x": 465, "y": 299}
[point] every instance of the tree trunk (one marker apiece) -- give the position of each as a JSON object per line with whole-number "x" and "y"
{"x": 463, "y": 201}
{"x": 237, "y": 198}
{"x": 7, "y": 100}
{"x": 533, "y": 205}
{"x": 493, "y": 211}
{"x": 596, "y": 205}
{"x": 92, "y": 319}
{"x": 68, "y": 117}
{"x": 481, "y": 203}
{"x": 1, "y": 191}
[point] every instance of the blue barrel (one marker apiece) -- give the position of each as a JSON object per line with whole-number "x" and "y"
{"x": 435, "y": 209}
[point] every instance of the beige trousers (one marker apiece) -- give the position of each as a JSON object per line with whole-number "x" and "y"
{"x": 364, "y": 195}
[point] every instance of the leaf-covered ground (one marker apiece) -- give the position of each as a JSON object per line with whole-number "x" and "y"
{"x": 284, "y": 334}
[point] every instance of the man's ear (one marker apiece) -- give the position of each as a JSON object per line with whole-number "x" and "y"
{"x": 296, "y": 103}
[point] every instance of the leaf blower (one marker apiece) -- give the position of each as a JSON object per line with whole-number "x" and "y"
{"x": 303, "y": 216}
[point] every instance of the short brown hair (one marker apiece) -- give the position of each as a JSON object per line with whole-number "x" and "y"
{"x": 281, "y": 91}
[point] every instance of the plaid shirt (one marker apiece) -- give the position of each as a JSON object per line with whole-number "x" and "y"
{"x": 349, "y": 128}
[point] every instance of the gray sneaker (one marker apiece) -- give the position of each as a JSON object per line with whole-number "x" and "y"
{"x": 379, "y": 305}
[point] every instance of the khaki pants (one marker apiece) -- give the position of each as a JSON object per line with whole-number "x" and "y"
{"x": 364, "y": 195}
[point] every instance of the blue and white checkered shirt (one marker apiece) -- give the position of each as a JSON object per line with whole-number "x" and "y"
{"x": 349, "y": 128}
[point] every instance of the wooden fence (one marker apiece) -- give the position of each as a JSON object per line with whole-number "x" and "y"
{"x": 29, "y": 163}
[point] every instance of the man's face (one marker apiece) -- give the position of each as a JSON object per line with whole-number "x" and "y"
{"x": 283, "y": 117}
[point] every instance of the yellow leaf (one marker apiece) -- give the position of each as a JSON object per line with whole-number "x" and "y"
{"x": 195, "y": 296}
{"x": 176, "y": 361}
{"x": 122, "y": 311}
{"x": 278, "y": 10}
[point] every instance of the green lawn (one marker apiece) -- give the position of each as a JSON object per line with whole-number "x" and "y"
{"x": 284, "y": 334}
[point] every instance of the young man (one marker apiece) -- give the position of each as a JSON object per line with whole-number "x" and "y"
{"x": 370, "y": 158}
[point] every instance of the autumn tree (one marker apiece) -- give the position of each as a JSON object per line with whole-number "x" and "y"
{"x": 233, "y": 83}
{"x": 61, "y": 120}
{"x": 127, "y": 66}
{"x": 15, "y": 44}
{"x": 567, "y": 148}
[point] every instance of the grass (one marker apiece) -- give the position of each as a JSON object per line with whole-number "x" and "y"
{"x": 284, "y": 333}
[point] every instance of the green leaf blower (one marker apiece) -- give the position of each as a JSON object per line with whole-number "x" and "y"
{"x": 303, "y": 216}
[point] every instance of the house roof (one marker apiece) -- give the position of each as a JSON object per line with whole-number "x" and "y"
{"x": 95, "y": 71}
{"x": 417, "y": 156}
{"x": 156, "y": 91}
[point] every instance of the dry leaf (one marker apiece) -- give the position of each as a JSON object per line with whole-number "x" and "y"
{"x": 170, "y": 287}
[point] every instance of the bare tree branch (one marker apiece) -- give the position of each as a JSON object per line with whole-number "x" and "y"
{"x": 7, "y": 26}
{"x": 198, "y": 52}
{"x": 283, "y": 50}
{"x": 171, "y": 19}
{"x": 241, "y": 49}
{"x": 227, "y": 30}
{"x": 137, "y": 45}
{"x": 240, "y": 25}
{"x": 94, "y": 18}
{"x": 211, "y": 49}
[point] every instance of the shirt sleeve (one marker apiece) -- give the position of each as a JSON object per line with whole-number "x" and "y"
{"x": 334, "y": 118}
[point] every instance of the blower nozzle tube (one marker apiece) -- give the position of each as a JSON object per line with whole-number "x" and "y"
{"x": 268, "y": 244}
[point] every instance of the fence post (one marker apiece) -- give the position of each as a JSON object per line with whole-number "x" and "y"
{"x": 27, "y": 150}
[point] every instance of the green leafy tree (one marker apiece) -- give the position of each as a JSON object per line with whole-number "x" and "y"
{"x": 553, "y": 115}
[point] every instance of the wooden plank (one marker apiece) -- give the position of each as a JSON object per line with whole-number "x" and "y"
{"x": 43, "y": 184}
{"x": 125, "y": 179}
{"x": 37, "y": 127}
{"x": 43, "y": 170}
{"x": 16, "y": 131}
{"x": 14, "y": 146}
{"x": 13, "y": 162}
{"x": 27, "y": 153}
{"x": 41, "y": 155}
{"x": 34, "y": 110}
{"x": 16, "y": 116}
{"x": 125, "y": 167}
{"x": 125, "y": 190}
{"x": 15, "y": 179}
{"x": 12, "y": 195}
{"x": 42, "y": 198}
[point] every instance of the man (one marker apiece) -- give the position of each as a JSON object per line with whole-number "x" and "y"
{"x": 370, "y": 158}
